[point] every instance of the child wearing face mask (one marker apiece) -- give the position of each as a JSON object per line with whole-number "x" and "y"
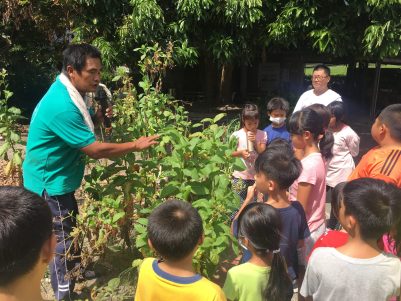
{"x": 277, "y": 110}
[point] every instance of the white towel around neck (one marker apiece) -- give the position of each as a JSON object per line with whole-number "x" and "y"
{"x": 78, "y": 101}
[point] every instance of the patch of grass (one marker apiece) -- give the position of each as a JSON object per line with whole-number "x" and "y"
{"x": 336, "y": 70}
{"x": 341, "y": 70}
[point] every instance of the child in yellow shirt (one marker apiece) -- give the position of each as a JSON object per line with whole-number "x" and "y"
{"x": 175, "y": 232}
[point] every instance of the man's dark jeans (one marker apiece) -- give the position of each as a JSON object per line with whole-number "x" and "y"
{"x": 64, "y": 210}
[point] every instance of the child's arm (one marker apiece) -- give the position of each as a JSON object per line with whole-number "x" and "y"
{"x": 260, "y": 144}
{"x": 243, "y": 153}
{"x": 249, "y": 197}
{"x": 304, "y": 190}
{"x": 353, "y": 144}
{"x": 301, "y": 253}
{"x": 300, "y": 244}
{"x": 260, "y": 147}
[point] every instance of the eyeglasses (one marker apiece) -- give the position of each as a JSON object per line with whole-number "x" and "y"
{"x": 318, "y": 77}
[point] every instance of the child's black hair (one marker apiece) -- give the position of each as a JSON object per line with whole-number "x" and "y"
{"x": 250, "y": 111}
{"x": 282, "y": 144}
{"x": 260, "y": 223}
{"x": 309, "y": 120}
{"x": 25, "y": 226}
{"x": 337, "y": 110}
{"x": 323, "y": 112}
{"x": 174, "y": 229}
{"x": 277, "y": 103}
{"x": 376, "y": 205}
{"x": 336, "y": 198}
{"x": 391, "y": 117}
{"x": 323, "y": 67}
{"x": 279, "y": 164}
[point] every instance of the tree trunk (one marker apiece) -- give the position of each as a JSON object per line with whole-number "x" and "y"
{"x": 225, "y": 92}
{"x": 350, "y": 81}
{"x": 362, "y": 83}
{"x": 243, "y": 82}
{"x": 210, "y": 80}
{"x": 264, "y": 55}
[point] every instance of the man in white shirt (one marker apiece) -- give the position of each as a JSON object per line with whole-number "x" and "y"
{"x": 320, "y": 93}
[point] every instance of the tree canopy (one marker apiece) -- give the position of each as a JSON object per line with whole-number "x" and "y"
{"x": 226, "y": 32}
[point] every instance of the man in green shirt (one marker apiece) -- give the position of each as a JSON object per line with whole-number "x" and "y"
{"x": 61, "y": 133}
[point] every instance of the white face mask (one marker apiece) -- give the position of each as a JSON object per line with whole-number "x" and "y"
{"x": 277, "y": 120}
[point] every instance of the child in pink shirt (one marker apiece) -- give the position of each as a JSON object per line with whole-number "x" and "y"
{"x": 308, "y": 135}
{"x": 251, "y": 142}
{"x": 346, "y": 146}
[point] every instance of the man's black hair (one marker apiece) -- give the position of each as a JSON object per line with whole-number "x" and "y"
{"x": 391, "y": 117}
{"x": 75, "y": 55}
{"x": 279, "y": 164}
{"x": 277, "y": 103}
{"x": 174, "y": 229}
{"x": 323, "y": 67}
{"x": 25, "y": 225}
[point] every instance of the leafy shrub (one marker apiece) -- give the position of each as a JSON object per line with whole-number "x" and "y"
{"x": 10, "y": 131}
{"x": 192, "y": 162}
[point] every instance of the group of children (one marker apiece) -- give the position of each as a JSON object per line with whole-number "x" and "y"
{"x": 281, "y": 222}
{"x": 280, "y": 225}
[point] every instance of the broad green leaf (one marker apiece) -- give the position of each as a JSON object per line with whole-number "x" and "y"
{"x": 139, "y": 228}
{"x": 17, "y": 159}
{"x": 137, "y": 263}
{"x": 169, "y": 190}
{"x": 114, "y": 283}
{"x": 199, "y": 189}
{"x": 118, "y": 216}
{"x": 219, "y": 117}
{"x": 4, "y": 148}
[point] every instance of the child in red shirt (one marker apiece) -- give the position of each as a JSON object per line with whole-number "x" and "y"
{"x": 333, "y": 238}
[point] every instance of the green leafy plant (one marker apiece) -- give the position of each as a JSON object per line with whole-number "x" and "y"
{"x": 10, "y": 131}
{"x": 192, "y": 162}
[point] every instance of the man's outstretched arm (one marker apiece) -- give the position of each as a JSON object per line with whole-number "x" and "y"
{"x": 98, "y": 150}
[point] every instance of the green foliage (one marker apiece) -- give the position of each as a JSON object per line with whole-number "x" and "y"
{"x": 9, "y": 130}
{"x": 383, "y": 39}
{"x": 345, "y": 28}
{"x": 193, "y": 8}
{"x": 244, "y": 13}
{"x": 221, "y": 48}
{"x": 232, "y": 32}
{"x": 144, "y": 23}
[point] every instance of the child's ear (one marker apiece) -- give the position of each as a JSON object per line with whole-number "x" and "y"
{"x": 307, "y": 135}
{"x": 201, "y": 239}
{"x": 271, "y": 185}
{"x": 150, "y": 245}
{"x": 49, "y": 249}
{"x": 350, "y": 224}
{"x": 354, "y": 224}
{"x": 246, "y": 242}
{"x": 383, "y": 130}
